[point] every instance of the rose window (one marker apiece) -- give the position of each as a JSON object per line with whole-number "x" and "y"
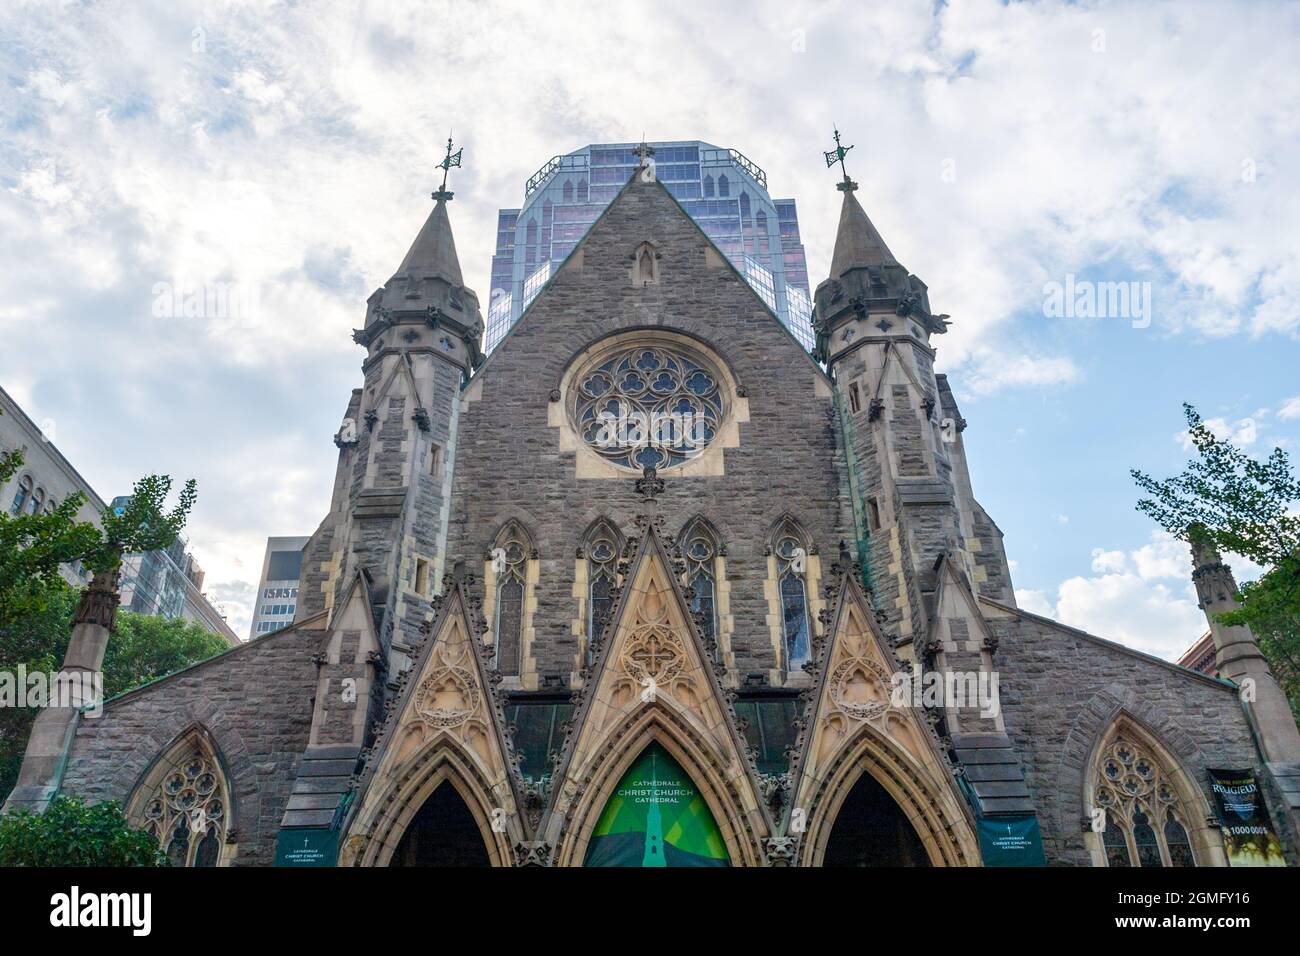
{"x": 652, "y": 406}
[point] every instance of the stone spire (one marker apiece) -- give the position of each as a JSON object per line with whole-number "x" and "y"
{"x": 857, "y": 243}
{"x": 1238, "y": 658}
{"x": 433, "y": 253}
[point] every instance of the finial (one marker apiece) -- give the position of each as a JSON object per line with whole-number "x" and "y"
{"x": 649, "y": 485}
{"x": 450, "y": 160}
{"x": 644, "y": 151}
{"x": 837, "y": 155}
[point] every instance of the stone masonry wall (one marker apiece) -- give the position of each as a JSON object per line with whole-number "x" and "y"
{"x": 255, "y": 701}
{"x": 509, "y": 464}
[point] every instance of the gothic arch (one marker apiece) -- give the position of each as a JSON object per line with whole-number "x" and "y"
{"x": 718, "y": 783}
{"x": 1095, "y": 720}
{"x": 937, "y": 819}
{"x": 794, "y": 574}
{"x": 1187, "y": 801}
{"x": 511, "y": 571}
{"x": 188, "y": 776}
{"x": 375, "y": 837}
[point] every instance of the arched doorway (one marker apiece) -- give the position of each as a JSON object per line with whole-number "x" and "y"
{"x": 872, "y": 830}
{"x": 656, "y": 817}
{"x": 442, "y": 833}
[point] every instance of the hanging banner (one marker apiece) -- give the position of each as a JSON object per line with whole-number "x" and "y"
{"x": 1011, "y": 840}
{"x": 656, "y": 817}
{"x": 306, "y": 847}
{"x": 1248, "y": 836}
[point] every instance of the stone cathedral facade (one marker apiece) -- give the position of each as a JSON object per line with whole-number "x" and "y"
{"x": 652, "y": 585}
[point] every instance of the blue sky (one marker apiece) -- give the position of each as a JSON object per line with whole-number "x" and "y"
{"x": 288, "y": 151}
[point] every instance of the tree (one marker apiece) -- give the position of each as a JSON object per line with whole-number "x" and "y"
{"x": 70, "y": 833}
{"x": 37, "y": 605}
{"x": 1245, "y": 506}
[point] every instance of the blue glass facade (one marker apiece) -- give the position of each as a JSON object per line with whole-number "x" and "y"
{"x": 719, "y": 188}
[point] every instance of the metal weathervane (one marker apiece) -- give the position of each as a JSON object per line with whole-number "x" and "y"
{"x": 450, "y": 160}
{"x": 837, "y": 155}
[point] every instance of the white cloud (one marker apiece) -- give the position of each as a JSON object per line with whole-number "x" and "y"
{"x": 1290, "y": 409}
{"x": 301, "y": 136}
{"x": 1123, "y": 607}
{"x": 1108, "y": 562}
{"x": 1143, "y": 598}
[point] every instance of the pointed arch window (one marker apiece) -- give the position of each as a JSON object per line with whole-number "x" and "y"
{"x": 790, "y": 546}
{"x": 1146, "y": 821}
{"x": 700, "y": 547}
{"x": 708, "y": 185}
{"x": 602, "y": 546}
{"x": 724, "y": 186}
{"x": 184, "y": 803}
{"x": 21, "y": 495}
{"x": 582, "y": 190}
{"x": 510, "y": 564}
{"x": 568, "y": 190}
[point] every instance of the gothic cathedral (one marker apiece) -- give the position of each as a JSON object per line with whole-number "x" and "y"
{"x": 651, "y": 585}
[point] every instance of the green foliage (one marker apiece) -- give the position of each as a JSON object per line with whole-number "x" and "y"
{"x": 70, "y": 833}
{"x": 1243, "y": 506}
{"x": 142, "y": 524}
{"x": 144, "y": 648}
{"x": 37, "y": 605}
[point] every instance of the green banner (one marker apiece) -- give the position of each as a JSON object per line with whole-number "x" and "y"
{"x": 306, "y": 847}
{"x": 1248, "y": 836}
{"x": 1011, "y": 841}
{"x": 656, "y": 817}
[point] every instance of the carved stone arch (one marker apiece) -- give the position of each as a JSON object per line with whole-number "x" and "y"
{"x": 511, "y": 570}
{"x": 1095, "y": 719}
{"x": 793, "y": 580}
{"x": 645, "y": 263}
{"x": 188, "y": 784}
{"x": 937, "y": 819}
{"x": 374, "y": 838}
{"x": 699, "y": 523}
{"x": 788, "y": 525}
{"x": 1192, "y": 808}
{"x": 661, "y": 722}
{"x": 603, "y": 523}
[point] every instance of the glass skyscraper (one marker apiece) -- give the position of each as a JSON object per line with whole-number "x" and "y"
{"x": 722, "y": 190}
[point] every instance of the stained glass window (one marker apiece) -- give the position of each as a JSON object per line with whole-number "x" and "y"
{"x": 509, "y": 560}
{"x": 791, "y": 555}
{"x": 700, "y": 548}
{"x": 186, "y": 812}
{"x": 651, "y": 406}
{"x": 1144, "y": 813}
{"x": 602, "y": 574}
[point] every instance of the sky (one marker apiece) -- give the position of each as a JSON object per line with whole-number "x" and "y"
{"x": 285, "y": 152}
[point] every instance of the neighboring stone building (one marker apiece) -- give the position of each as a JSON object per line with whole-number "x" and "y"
{"x": 651, "y": 585}
{"x": 45, "y": 478}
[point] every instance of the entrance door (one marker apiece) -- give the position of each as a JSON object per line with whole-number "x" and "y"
{"x": 871, "y": 830}
{"x": 443, "y": 833}
{"x": 656, "y": 817}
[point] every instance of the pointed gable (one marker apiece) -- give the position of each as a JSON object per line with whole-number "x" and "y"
{"x": 652, "y": 682}
{"x": 446, "y": 723}
{"x": 858, "y": 723}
